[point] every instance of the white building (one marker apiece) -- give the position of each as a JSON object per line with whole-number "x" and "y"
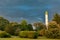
{"x": 46, "y": 19}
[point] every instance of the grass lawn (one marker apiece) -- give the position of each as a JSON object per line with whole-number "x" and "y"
{"x": 24, "y": 39}
{"x": 17, "y": 38}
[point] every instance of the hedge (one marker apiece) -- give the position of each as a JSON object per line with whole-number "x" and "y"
{"x": 28, "y": 34}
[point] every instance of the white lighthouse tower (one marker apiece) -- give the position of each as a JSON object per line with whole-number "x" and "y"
{"x": 46, "y": 19}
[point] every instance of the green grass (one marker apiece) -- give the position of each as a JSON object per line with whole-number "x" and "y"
{"x": 17, "y": 38}
{"x": 24, "y": 39}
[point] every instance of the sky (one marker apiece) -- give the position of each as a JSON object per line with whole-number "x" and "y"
{"x": 30, "y": 10}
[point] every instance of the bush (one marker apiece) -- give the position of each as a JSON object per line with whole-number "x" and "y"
{"x": 3, "y": 34}
{"x": 17, "y": 32}
{"x": 53, "y": 33}
{"x": 53, "y": 24}
{"x": 28, "y": 34}
{"x": 41, "y": 32}
{"x": 32, "y": 34}
{"x": 23, "y": 34}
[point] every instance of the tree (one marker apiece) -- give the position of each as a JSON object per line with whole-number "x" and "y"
{"x": 11, "y": 28}
{"x": 56, "y": 18}
{"x": 23, "y": 22}
{"x": 30, "y": 28}
{"x": 3, "y": 23}
{"x": 24, "y": 25}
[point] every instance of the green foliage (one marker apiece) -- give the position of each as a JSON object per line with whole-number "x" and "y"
{"x": 3, "y": 34}
{"x": 29, "y": 27}
{"x": 11, "y": 28}
{"x": 28, "y": 34}
{"x": 23, "y": 34}
{"x": 23, "y": 22}
{"x": 17, "y": 31}
{"x": 3, "y": 23}
{"x": 53, "y": 33}
{"x": 32, "y": 34}
{"x": 23, "y": 28}
{"x": 53, "y": 24}
{"x": 41, "y": 32}
{"x": 24, "y": 25}
{"x": 56, "y": 18}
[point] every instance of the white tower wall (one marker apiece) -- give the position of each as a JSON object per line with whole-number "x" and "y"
{"x": 46, "y": 19}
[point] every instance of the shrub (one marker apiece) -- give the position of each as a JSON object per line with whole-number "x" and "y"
{"x": 32, "y": 34}
{"x": 53, "y": 24}
{"x": 23, "y": 34}
{"x": 17, "y": 32}
{"x": 41, "y": 32}
{"x": 52, "y": 33}
{"x": 3, "y": 34}
{"x": 28, "y": 34}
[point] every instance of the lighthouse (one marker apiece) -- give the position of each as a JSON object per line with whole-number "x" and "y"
{"x": 46, "y": 19}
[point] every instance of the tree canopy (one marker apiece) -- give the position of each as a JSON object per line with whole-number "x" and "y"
{"x": 56, "y": 18}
